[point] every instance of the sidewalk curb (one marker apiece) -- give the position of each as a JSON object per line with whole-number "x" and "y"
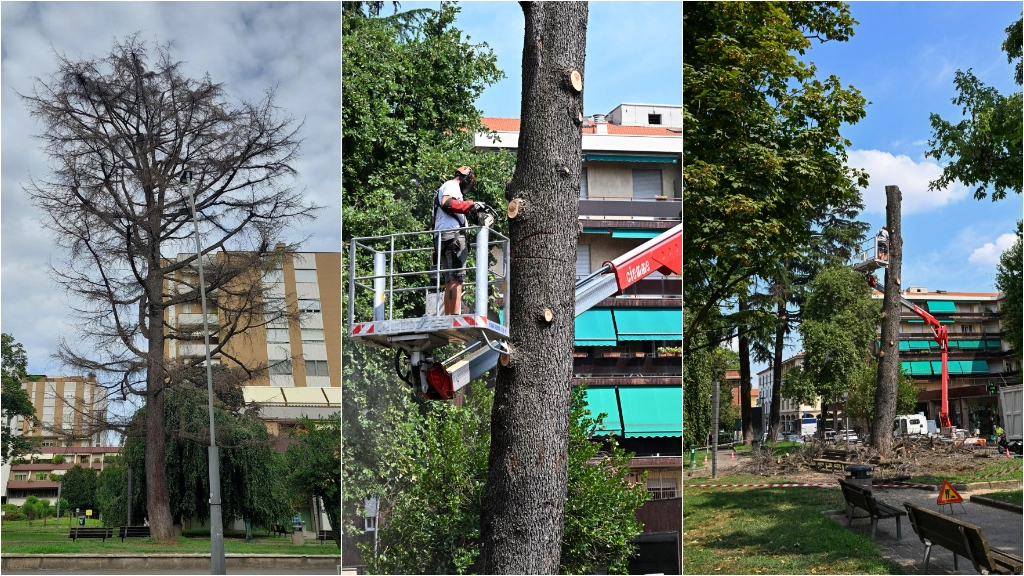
{"x": 997, "y": 504}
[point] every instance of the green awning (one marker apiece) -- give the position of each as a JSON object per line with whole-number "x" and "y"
{"x": 950, "y": 344}
{"x": 595, "y": 230}
{"x": 954, "y": 367}
{"x": 918, "y": 344}
{"x": 636, "y": 233}
{"x": 603, "y": 400}
{"x": 941, "y": 307}
{"x": 994, "y": 344}
{"x": 652, "y": 410}
{"x": 904, "y": 345}
{"x": 946, "y": 321}
{"x": 905, "y": 367}
{"x": 649, "y": 323}
{"x": 630, "y": 158}
{"x": 974, "y": 366}
{"x": 595, "y": 328}
{"x": 920, "y": 369}
{"x": 916, "y": 321}
{"x": 971, "y": 344}
{"x": 937, "y": 367}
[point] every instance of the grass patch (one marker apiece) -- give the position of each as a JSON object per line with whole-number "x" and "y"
{"x": 20, "y": 538}
{"x": 772, "y": 531}
{"x": 962, "y": 476}
{"x": 1008, "y": 496}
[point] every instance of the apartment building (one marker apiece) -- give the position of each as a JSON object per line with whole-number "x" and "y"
{"x": 628, "y": 348}
{"x": 790, "y": 411}
{"x": 68, "y": 409}
{"x": 978, "y": 355}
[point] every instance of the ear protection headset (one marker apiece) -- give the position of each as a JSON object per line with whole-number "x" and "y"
{"x": 465, "y": 175}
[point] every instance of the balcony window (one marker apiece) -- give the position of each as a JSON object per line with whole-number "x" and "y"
{"x": 273, "y": 277}
{"x": 283, "y": 368}
{"x": 316, "y": 368}
{"x": 646, "y": 183}
{"x": 584, "y": 190}
{"x": 312, "y": 336}
{"x": 305, "y": 276}
{"x": 277, "y": 335}
{"x": 21, "y": 477}
{"x": 582, "y": 260}
{"x": 654, "y": 119}
{"x": 661, "y": 488}
{"x": 309, "y": 305}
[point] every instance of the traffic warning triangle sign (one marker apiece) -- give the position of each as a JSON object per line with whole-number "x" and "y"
{"x": 947, "y": 495}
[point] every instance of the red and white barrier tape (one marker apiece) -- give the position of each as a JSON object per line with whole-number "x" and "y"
{"x": 995, "y": 474}
{"x": 825, "y": 485}
{"x": 903, "y": 486}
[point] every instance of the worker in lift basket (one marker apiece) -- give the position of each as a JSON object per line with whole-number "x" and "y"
{"x": 882, "y": 239}
{"x": 450, "y": 212}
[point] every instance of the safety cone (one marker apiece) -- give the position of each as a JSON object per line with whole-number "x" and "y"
{"x": 705, "y": 458}
{"x": 1007, "y": 451}
{"x": 732, "y": 455}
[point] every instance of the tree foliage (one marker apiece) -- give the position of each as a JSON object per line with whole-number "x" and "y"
{"x": 839, "y": 325}
{"x": 986, "y": 148}
{"x": 79, "y": 486}
{"x": 314, "y": 464}
{"x": 1008, "y": 281}
{"x": 433, "y": 527}
{"x": 764, "y": 158}
{"x": 15, "y": 401}
{"x": 860, "y": 403}
{"x": 697, "y": 374}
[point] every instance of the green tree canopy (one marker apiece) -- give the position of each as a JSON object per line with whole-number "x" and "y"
{"x": 986, "y": 148}
{"x": 78, "y": 487}
{"x": 15, "y": 401}
{"x": 1008, "y": 281}
{"x": 763, "y": 156}
{"x": 314, "y": 465}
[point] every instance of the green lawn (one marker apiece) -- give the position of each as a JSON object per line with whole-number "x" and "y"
{"x": 20, "y": 538}
{"x": 1010, "y": 496}
{"x": 960, "y": 476}
{"x": 771, "y": 531}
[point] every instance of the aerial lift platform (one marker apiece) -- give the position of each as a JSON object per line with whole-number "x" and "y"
{"x": 484, "y": 335}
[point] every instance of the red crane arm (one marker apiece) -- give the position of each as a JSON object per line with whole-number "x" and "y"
{"x": 664, "y": 254}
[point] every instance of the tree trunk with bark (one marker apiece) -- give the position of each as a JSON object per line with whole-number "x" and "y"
{"x": 524, "y": 500}
{"x": 889, "y": 358}
{"x": 780, "y": 342}
{"x": 745, "y": 383}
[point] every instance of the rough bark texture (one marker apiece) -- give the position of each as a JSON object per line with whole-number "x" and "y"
{"x": 745, "y": 384}
{"x": 889, "y": 360}
{"x": 780, "y": 342}
{"x": 524, "y": 501}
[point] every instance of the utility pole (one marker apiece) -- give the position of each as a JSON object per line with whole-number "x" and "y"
{"x": 217, "y": 560}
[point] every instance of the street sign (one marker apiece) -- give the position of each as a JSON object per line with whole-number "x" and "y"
{"x": 88, "y": 512}
{"x": 948, "y": 495}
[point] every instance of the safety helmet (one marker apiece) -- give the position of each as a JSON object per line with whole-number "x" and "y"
{"x": 465, "y": 176}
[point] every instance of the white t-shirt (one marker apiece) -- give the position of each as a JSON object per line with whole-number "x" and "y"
{"x": 445, "y": 221}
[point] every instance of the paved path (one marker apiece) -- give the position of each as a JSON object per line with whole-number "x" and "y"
{"x": 1003, "y": 529}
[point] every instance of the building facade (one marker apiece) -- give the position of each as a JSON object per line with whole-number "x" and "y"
{"x": 790, "y": 411}
{"x": 978, "y": 355}
{"x": 628, "y": 348}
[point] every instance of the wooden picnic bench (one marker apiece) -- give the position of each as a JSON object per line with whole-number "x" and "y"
{"x": 858, "y": 496}
{"x": 103, "y": 533}
{"x": 134, "y": 532}
{"x": 962, "y": 539}
{"x": 322, "y": 535}
{"x": 277, "y": 529}
{"x": 833, "y": 458}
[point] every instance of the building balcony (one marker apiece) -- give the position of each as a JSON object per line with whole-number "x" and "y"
{"x": 627, "y": 364}
{"x": 637, "y": 208}
{"x": 33, "y": 485}
{"x": 188, "y": 350}
{"x": 196, "y": 320}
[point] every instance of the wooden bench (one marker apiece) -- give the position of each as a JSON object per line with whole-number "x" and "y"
{"x": 277, "y": 529}
{"x": 962, "y": 539}
{"x": 322, "y": 535}
{"x": 134, "y": 532}
{"x": 858, "y": 496}
{"x": 103, "y": 533}
{"x": 833, "y": 458}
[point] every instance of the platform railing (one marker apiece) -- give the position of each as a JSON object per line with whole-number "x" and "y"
{"x": 396, "y": 267}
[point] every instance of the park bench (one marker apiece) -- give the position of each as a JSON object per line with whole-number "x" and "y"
{"x": 832, "y": 458}
{"x": 322, "y": 535}
{"x": 277, "y": 529}
{"x": 103, "y": 533}
{"x": 962, "y": 539}
{"x": 858, "y": 496}
{"x": 134, "y": 532}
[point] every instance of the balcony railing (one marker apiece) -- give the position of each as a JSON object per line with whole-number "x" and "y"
{"x": 653, "y": 208}
{"x": 627, "y": 364}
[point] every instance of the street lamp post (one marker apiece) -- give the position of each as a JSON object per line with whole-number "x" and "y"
{"x": 217, "y": 562}
{"x": 714, "y": 426}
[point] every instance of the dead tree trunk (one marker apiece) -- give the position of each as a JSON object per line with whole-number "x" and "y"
{"x": 745, "y": 384}
{"x": 889, "y": 358}
{"x": 524, "y": 501}
{"x": 780, "y": 341}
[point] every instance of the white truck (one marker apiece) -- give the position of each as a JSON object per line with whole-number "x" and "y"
{"x": 910, "y": 424}
{"x": 1012, "y": 405}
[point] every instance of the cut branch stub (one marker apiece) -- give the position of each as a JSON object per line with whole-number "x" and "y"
{"x": 513, "y": 207}
{"x": 576, "y": 80}
{"x": 548, "y": 315}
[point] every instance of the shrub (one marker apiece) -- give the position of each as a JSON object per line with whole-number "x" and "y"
{"x": 58, "y": 458}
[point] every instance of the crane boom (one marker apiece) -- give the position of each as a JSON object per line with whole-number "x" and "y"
{"x": 941, "y": 336}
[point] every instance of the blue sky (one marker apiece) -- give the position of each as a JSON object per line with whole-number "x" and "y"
{"x": 634, "y": 53}
{"x": 903, "y": 57}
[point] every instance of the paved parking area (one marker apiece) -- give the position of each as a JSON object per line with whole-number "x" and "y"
{"x": 1003, "y": 530}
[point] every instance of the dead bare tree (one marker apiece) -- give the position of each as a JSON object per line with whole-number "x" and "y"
{"x": 119, "y": 131}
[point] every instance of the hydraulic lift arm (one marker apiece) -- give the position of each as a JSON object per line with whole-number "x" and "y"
{"x": 941, "y": 336}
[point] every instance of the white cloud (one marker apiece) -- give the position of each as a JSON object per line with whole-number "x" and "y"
{"x": 988, "y": 255}
{"x": 912, "y": 177}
